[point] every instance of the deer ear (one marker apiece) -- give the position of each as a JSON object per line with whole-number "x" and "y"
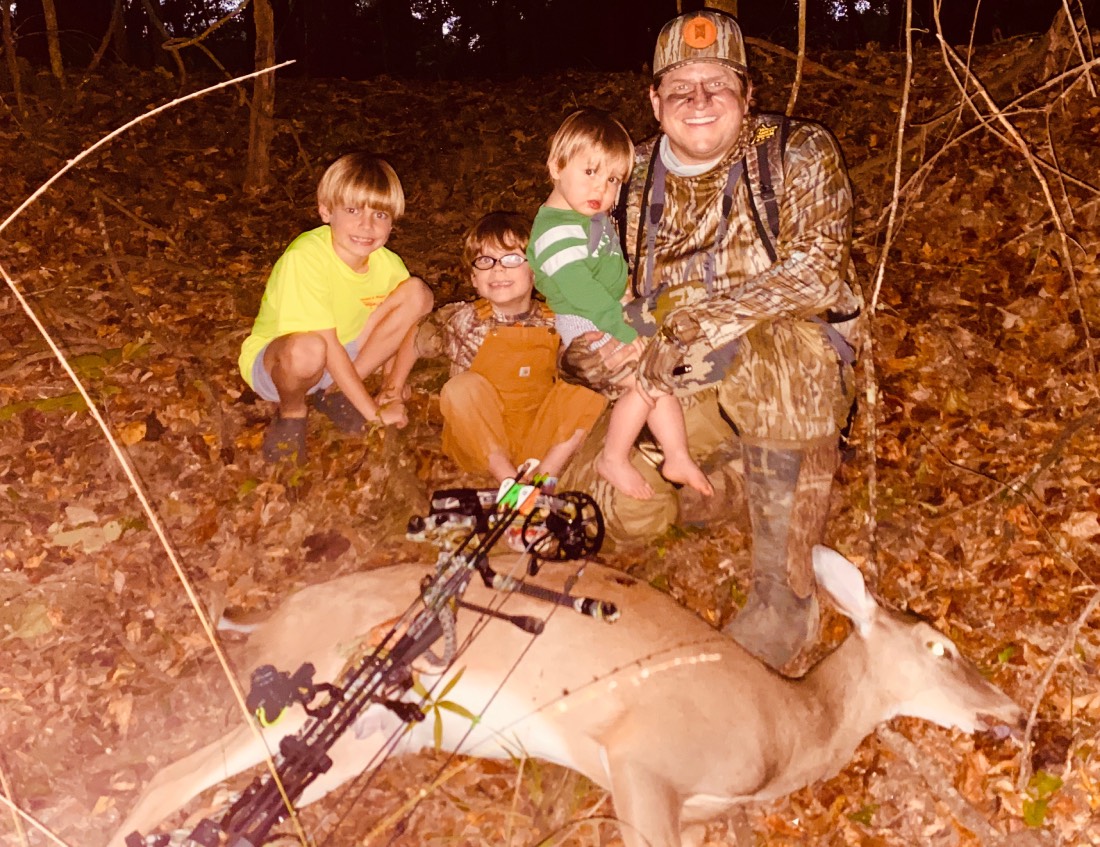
{"x": 843, "y": 583}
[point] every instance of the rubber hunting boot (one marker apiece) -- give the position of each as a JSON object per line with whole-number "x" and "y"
{"x": 787, "y": 484}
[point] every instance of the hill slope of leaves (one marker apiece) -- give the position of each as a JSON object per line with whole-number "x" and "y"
{"x": 970, "y": 495}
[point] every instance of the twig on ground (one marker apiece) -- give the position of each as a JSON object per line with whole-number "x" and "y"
{"x": 120, "y": 456}
{"x": 940, "y": 784}
{"x": 15, "y": 819}
{"x": 872, "y": 394}
{"x": 99, "y": 195}
{"x": 1044, "y": 683}
{"x": 1022, "y": 482}
{"x": 952, "y": 62}
{"x": 84, "y": 154}
{"x": 34, "y": 824}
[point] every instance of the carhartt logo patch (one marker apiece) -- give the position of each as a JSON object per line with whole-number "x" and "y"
{"x": 525, "y": 370}
{"x": 700, "y": 33}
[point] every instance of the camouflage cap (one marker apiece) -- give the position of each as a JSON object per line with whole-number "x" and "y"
{"x": 703, "y": 36}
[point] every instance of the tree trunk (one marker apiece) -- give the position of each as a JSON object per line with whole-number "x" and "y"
{"x": 727, "y": 6}
{"x": 801, "y": 57}
{"x": 261, "y": 125}
{"x": 13, "y": 60}
{"x": 53, "y": 41}
{"x": 109, "y": 36}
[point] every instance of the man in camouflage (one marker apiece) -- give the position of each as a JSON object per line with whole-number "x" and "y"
{"x": 738, "y": 227}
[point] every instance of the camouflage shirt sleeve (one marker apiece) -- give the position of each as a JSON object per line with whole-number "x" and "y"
{"x": 808, "y": 275}
{"x": 815, "y": 226}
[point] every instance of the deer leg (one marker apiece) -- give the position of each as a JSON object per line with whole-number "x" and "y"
{"x": 177, "y": 784}
{"x": 647, "y": 807}
{"x": 788, "y": 486}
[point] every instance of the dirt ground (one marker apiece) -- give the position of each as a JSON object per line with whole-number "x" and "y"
{"x": 969, "y": 493}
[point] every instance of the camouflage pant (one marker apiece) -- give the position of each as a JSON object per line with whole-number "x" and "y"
{"x": 785, "y": 383}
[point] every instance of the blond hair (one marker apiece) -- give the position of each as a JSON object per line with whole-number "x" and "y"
{"x": 593, "y": 131}
{"x": 362, "y": 180}
{"x": 497, "y": 230}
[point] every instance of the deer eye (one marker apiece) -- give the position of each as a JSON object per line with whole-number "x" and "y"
{"x": 937, "y": 648}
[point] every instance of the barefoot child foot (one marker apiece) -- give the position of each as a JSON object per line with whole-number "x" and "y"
{"x": 624, "y": 476}
{"x": 680, "y": 468}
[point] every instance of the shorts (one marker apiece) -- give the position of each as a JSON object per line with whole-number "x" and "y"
{"x": 570, "y": 327}
{"x": 264, "y": 385}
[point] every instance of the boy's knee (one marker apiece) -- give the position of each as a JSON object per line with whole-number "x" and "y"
{"x": 419, "y": 295}
{"x": 465, "y": 391}
{"x": 303, "y": 354}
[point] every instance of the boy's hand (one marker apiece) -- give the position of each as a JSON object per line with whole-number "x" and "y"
{"x": 393, "y": 414}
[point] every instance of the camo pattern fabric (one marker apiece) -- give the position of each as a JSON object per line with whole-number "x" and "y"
{"x": 786, "y": 385}
{"x": 703, "y": 35}
{"x": 784, "y": 380}
{"x": 581, "y": 364}
{"x": 814, "y": 226}
{"x": 625, "y": 518}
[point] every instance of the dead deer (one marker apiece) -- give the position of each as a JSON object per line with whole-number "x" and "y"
{"x": 671, "y": 717}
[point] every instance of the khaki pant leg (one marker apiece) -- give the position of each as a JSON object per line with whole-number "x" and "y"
{"x": 626, "y": 518}
{"x": 565, "y": 409}
{"x": 787, "y": 384}
{"x": 473, "y": 421}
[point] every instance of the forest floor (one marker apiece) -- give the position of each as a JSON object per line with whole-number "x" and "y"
{"x": 970, "y": 495}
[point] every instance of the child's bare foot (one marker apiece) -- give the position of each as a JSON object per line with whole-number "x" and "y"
{"x": 684, "y": 470}
{"x": 625, "y": 477}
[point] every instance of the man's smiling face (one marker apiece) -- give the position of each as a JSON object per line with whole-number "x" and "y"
{"x": 701, "y": 106}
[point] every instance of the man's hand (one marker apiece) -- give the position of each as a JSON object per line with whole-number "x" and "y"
{"x": 599, "y": 368}
{"x": 681, "y": 327}
{"x": 663, "y": 365}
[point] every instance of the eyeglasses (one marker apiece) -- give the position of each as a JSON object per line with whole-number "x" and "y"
{"x": 508, "y": 260}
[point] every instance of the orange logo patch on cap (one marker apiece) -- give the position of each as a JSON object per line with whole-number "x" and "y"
{"x": 700, "y": 32}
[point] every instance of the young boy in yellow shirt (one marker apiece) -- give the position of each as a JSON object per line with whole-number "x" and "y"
{"x": 338, "y": 306}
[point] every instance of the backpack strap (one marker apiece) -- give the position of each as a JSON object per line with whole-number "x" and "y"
{"x": 768, "y": 147}
{"x": 599, "y": 225}
{"x": 651, "y": 216}
{"x": 643, "y": 217}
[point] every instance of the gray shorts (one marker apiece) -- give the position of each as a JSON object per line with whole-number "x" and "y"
{"x": 570, "y": 327}
{"x": 264, "y": 385}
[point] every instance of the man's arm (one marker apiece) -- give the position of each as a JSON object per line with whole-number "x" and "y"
{"x": 814, "y": 238}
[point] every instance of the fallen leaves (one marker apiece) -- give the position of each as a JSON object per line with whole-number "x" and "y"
{"x": 979, "y": 351}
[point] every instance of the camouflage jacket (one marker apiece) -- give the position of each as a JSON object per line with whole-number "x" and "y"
{"x": 809, "y": 275}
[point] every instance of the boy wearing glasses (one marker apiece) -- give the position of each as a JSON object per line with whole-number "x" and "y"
{"x": 580, "y": 269}
{"x": 503, "y": 402}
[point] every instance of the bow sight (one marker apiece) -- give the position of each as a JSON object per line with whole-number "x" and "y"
{"x": 465, "y": 523}
{"x": 558, "y": 528}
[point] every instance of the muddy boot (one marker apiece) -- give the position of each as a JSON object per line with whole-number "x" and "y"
{"x": 787, "y": 484}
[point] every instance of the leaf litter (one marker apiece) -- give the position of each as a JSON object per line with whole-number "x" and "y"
{"x": 984, "y": 508}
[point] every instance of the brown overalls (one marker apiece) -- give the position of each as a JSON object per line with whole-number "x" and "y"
{"x": 511, "y": 400}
